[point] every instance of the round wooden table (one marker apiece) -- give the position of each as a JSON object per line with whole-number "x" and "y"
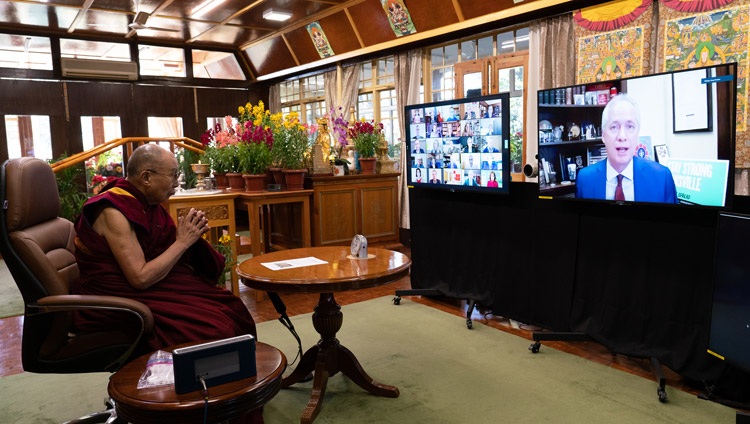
{"x": 162, "y": 405}
{"x": 339, "y": 273}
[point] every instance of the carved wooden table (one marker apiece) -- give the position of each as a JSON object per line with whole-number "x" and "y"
{"x": 162, "y": 405}
{"x": 219, "y": 209}
{"x": 340, "y": 273}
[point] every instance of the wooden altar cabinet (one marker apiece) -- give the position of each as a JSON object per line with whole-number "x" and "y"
{"x": 354, "y": 204}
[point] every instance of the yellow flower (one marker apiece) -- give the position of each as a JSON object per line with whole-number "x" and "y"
{"x": 225, "y": 239}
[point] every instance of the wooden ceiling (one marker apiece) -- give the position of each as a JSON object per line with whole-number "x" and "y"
{"x": 270, "y": 49}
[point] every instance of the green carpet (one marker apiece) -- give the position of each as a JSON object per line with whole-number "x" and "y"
{"x": 11, "y": 302}
{"x": 446, "y": 374}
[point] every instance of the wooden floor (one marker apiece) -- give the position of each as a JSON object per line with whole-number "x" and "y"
{"x": 263, "y": 310}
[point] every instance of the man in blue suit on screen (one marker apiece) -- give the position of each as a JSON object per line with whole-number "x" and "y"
{"x": 622, "y": 176}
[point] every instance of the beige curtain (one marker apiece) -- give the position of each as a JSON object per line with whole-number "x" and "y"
{"x": 408, "y": 68}
{"x": 532, "y": 85}
{"x": 330, "y": 88}
{"x": 349, "y": 88}
{"x": 557, "y": 51}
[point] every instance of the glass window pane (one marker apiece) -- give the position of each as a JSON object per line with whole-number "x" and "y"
{"x": 94, "y": 50}
{"x": 522, "y": 39}
{"x": 484, "y": 47}
{"x": 436, "y": 57}
{"x": 161, "y": 61}
{"x": 25, "y": 52}
{"x": 216, "y": 65}
{"x": 165, "y": 127}
{"x": 468, "y": 50}
{"x": 451, "y": 54}
{"x": 389, "y": 115}
{"x": 472, "y": 84}
{"x": 518, "y": 80}
{"x": 365, "y": 79}
{"x": 505, "y": 43}
{"x": 386, "y": 71}
{"x": 96, "y": 130}
{"x": 364, "y": 107}
{"x": 28, "y": 135}
{"x": 503, "y": 78}
{"x": 437, "y": 79}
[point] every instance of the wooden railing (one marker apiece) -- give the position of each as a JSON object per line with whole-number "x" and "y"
{"x": 128, "y": 142}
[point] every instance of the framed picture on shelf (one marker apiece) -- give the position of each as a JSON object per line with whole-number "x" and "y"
{"x": 661, "y": 152}
{"x": 691, "y": 104}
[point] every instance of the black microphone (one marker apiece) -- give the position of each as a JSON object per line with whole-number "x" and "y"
{"x": 277, "y": 302}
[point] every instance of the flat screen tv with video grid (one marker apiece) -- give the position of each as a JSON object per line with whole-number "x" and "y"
{"x": 460, "y": 145}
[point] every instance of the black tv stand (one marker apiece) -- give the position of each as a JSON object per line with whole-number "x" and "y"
{"x": 583, "y": 337}
{"x": 435, "y": 293}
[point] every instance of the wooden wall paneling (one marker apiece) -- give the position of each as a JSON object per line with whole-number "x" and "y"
{"x": 270, "y": 56}
{"x": 340, "y": 33}
{"x": 372, "y": 23}
{"x": 163, "y": 101}
{"x": 215, "y": 103}
{"x": 335, "y": 216}
{"x": 304, "y": 49}
{"x": 473, "y": 8}
{"x": 26, "y": 97}
{"x": 431, "y": 14}
{"x": 98, "y": 99}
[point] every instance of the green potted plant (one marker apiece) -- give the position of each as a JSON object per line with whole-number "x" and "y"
{"x": 291, "y": 147}
{"x": 367, "y": 137}
{"x": 339, "y": 128}
{"x": 254, "y": 152}
{"x": 70, "y": 188}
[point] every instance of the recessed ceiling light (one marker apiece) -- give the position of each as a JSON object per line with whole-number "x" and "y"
{"x": 276, "y": 15}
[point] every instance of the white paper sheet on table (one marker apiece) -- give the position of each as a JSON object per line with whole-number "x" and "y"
{"x": 293, "y": 263}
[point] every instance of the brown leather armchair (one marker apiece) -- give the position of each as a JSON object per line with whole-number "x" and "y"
{"x": 38, "y": 248}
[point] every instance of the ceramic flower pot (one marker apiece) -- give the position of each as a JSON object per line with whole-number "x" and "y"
{"x": 367, "y": 165}
{"x": 236, "y": 182}
{"x": 254, "y": 183}
{"x": 295, "y": 179}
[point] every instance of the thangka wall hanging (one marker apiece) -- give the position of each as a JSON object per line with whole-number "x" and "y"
{"x": 612, "y": 15}
{"x": 710, "y": 38}
{"x": 621, "y": 52}
{"x": 695, "y": 5}
{"x": 399, "y": 17}
{"x": 611, "y": 55}
{"x": 320, "y": 40}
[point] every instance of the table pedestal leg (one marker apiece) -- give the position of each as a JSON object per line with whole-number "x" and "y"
{"x": 329, "y": 357}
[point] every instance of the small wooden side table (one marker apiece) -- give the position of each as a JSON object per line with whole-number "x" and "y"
{"x": 162, "y": 405}
{"x": 339, "y": 273}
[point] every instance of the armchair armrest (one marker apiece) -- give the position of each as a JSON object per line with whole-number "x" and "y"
{"x": 71, "y": 302}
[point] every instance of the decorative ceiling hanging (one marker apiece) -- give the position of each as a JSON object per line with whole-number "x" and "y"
{"x": 695, "y": 5}
{"x": 612, "y": 15}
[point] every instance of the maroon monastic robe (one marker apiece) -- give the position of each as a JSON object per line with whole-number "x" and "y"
{"x": 187, "y": 306}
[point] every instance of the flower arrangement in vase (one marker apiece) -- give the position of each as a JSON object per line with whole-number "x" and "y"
{"x": 241, "y": 147}
{"x": 291, "y": 142}
{"x": 339, "y": 128}
{"x": 367, "y": 138}
{"x": 291, "y": 149}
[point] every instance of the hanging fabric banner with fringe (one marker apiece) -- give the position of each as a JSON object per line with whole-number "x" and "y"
{"x": 695, "y": 5}
{"x": 612, "y": 15}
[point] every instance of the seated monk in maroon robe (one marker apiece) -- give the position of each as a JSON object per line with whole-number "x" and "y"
{"x": 127, "y": 245}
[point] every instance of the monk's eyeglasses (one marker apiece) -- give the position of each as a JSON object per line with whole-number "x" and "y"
{"x": 173, "y": 176}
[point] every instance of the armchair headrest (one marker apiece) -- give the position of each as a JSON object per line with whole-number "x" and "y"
{"x": 31, "y": 193}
